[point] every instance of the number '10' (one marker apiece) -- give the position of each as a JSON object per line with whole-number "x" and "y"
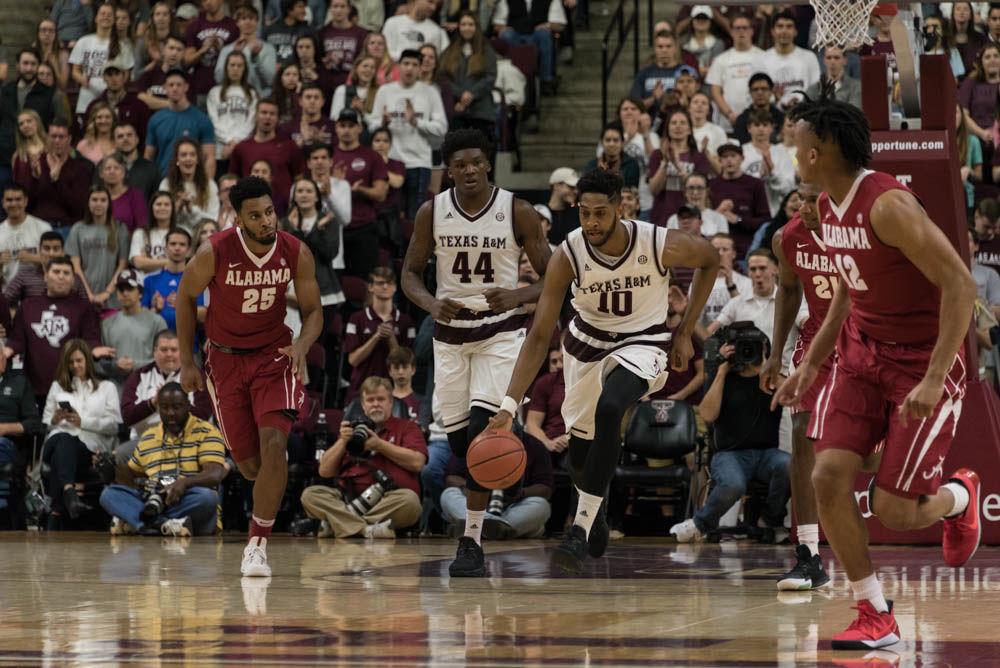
{"x": 621, "y": 303}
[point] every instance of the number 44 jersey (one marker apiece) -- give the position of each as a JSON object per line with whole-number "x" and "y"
{"x": 246, "y": 308}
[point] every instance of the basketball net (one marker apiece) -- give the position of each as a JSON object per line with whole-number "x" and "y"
{"x": 842, "y": 23}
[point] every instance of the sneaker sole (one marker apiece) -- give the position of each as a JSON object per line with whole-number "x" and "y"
{"x": 795, "y": 584}
{"x": 979, "y": 530}
{"x": 477, "y": 573}
{"x": 254, "y": 573}
{"x": 884, "y": 641}
{"x": 567, "y": 561}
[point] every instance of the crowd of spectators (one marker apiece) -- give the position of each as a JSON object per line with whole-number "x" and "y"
{"x": 123, "y": 128}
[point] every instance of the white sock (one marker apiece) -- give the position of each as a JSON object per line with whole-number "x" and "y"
{"x": 961, "y": 494}
{"x": 809, "y": 536}
{"x": 586, "y": 510}
{"x": 474, "y": 525}
{"x": 870, "y": 590}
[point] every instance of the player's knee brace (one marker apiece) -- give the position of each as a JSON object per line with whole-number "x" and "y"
{"x": 458, "y": 441}
{"x": 479, "y": 419}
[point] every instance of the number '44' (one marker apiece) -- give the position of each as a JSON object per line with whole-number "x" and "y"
{"x": 484, "y": 267}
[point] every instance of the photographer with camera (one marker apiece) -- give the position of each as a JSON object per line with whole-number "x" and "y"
{"x": 375, "y": 463}
{"x": 745, "y": 431}
{"x": 169, "y": 483}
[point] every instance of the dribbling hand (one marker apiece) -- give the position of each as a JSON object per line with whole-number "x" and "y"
{"x": 921, "y": 400}
{"x": 191, "y": 380}
{"x": 790, "y": 392}
{"x": 502, "y": 421}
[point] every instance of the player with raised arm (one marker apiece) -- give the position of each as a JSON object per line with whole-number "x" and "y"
{"x": 803, "y": 267}
{"x": 617, "y": 349}
{"x": 476, "y": 232}
{"x": 898, "y": 318}
{"x": 256, "y": 373}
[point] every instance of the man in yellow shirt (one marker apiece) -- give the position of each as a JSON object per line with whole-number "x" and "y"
{"x": 184, "y": 448}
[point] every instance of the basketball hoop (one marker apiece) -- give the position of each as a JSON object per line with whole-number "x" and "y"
{"x": 842, "y": 23}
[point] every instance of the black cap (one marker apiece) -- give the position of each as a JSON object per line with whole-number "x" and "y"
{"x": 176, "y": 71}
{"x": 728, "y": 146}
{"x": 348, "y": 116}
{"x": 688, "y": 211}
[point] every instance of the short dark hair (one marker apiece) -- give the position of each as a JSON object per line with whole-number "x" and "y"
{"x": 459, "y": 140}
{"x": 783, "y": 15}
{"x": 312, "y": 86}
{"x": 59, "y": 122}
{"x": 761, "y": 76}
{"x": 250, "y": 187}
{"x": 762, "y": 252}
{"x": 60, "y": 259}
{"x": 760, "y": 117}
{"x": 179, "y": 231}
{"x": 601, "y": 182}
{"x": 246, "y": 9}
{"x": 665, "y": 34}
{"x": 51, "y": 235}
{"x": 401, "y": 356}
{"x": 163, "y": 334}
{"x": 613, "y": 125}
{"x": 172, "y": 386}
{"x": 177, "y": 37}
{"x": 410, "y": 53}
{"x": 25, "y": 50}
{"x": 288, "y": 5}
{"x": 268, "y": 100}
{"x": 309, "y": 149}
{"x": 837, "y": 122}
{"x": 176, "y": 72}
{"x": 16, "y": 186}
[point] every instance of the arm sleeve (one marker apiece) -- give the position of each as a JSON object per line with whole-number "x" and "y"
{"x": 212, "y": 449}
{"x": 132, "y": 410}
{"x": 436, "y": 124}
{"x": 340, "y": 198}
{"x": 267, "y": 65}
{"x": 50, "y": 404}
{"x": 728, "y": 314}
{"x": 412, "y": 439}
{"x": 107, "y": 420}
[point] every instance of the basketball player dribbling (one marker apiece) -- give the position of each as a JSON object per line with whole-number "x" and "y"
{"x": 898, "y": 317}
{"x": 803, "y": 268}
{"x": 256, "y": 373}
{"x": 617, "y": 349}
{"x": 476, "y": 232}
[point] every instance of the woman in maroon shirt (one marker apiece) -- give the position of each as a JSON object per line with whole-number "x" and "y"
{"x": 678, "y": 156}
{"x": 978, "y": 97}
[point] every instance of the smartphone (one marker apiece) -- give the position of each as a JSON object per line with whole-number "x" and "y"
{"x": 65, "y": 405}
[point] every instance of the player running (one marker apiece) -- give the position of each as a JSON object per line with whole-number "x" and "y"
{"x": 898, "y": 317}
{"x": 803, "y": 268}
{"x": 617, "y": 349}
{"x": 256, "y": 373}
{"x": 476, "y": 232}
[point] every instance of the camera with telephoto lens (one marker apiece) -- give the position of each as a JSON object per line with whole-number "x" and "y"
{"x": 364, "y": 428}
{"x": 363, "y": 503}
{"x": 749, "y": 342}
{"x": 155, "y": 496}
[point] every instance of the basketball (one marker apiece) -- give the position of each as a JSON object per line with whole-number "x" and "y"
{"x": 496, "y": 459}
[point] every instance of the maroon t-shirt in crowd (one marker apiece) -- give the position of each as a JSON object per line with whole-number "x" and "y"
{"x": 360, "y": 328}
{"x": 671, "y": 198}
{"x": 198, "y": 31}
{"x": 152, "y": 82}
{"x": 365, "y": 165}
{"x": 412, "y": 401}
{"x": 41, "y": 327}
{"x": 547, "y": 397}
{"x": 393, "y": 200}
{"x": 979, "y": 99}
{"x": 130, "y": 109}
{"x": 340, "y": 47}
{"x": 537, "y": 470}
{"x": 677, "y": 380}
{"x": 749, "y": 203}
{"x": 405, "y": 434}
{"x": 293, "y": 130}
{"x": 284, "y": 157}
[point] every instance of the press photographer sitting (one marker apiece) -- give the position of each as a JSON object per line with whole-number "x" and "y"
{"x": 169, "y": 483}
{"x": 376, "y": 463}
{"x": 745, "y": 431}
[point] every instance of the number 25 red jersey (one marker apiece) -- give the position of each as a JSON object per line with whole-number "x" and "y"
{"x": 246, "y": 307}
{"x": 806, "y": 254}
{"x": 891, "y": 301}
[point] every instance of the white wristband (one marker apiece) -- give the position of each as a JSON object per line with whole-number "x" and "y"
{"x": 510, "y": 405}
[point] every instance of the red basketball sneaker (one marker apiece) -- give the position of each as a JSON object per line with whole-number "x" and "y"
{"x": 962, "y": 532}
{"x": 870, "y": 630}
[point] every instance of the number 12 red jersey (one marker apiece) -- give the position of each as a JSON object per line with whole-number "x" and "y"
{"x": 246, "y": 307}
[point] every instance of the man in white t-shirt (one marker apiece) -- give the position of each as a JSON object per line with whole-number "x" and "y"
{"x": 414, "y": 29}
{"x": 20, "y": 234}
{"x": 728, "y": 284}
{"x": 766, "y": 161}
{"x": 730, "y": 72}
{"x": 791, "y": 67}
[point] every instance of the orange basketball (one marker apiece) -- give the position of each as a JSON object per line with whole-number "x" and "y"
{"x": 496, "y": 459}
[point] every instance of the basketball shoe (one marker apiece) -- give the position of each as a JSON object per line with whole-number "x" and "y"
{"x": 871, "y": 630}
{"x": 687, "y": 532}
{"x": 469, "y": 560}
{"x": 571, "y": 551}
{"x": 962, "y": 532}
{"x": 808, "y": 572}
{"x": 181, "y": 526}
{"x": 597, "y": 541}
{"x": 255, "y": 560}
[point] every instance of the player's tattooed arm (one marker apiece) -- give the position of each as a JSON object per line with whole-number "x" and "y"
{"x": 786, "y": 307}
{"x": 686, "y": 250}
{"x": 195, "y": 279}
{"x": 415, "y": 263}
{"x": 558, "y": 276}
{"x": 528, "y": 230}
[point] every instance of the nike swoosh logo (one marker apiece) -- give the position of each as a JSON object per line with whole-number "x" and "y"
{"x": 234, "y": 264}
{"x": 801, "y": 245}
{"x": 278, "y": 359}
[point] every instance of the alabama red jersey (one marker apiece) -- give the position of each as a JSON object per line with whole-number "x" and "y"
{"x": 891, "y": 301}
{"x": 246, "y": 307}
{"x": 806, "y": 254}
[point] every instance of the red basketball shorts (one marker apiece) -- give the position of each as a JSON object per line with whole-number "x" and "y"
{"x": 250, "y": 391}
{"x": 808, "y": 403}
{"x": 858, "y": 407}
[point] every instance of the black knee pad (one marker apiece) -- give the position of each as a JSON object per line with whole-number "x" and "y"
{"x": 479, "y": 419}
{"x": 458, "y": 441}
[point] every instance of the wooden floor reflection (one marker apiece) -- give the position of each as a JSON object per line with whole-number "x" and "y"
{"x": 86, "y": 598}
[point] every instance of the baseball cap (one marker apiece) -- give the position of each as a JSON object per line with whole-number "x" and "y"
{"x": 728, "y": 146}
{"x": 701, "y": 10}
{"x": 348, "y": 116}
{"x": 129, "y": 278}
{"x": 565, "y": 175}
{"x": 186, "y": 12}
{"x": 112, "y": 67}
{"x": 688, "y": 211}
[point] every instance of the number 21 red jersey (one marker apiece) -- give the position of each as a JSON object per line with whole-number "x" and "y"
{"x": 891, "y": 300}
{"x": 246, "y": 307}
{"x": 806, "y": 254}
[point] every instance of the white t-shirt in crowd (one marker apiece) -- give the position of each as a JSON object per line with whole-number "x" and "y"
{"x": 151, "y": 243}
{"x": 193, "y": 216}
{"x": 795, "y": 71}
{"x": 91, "y": 53}
{"x": 716, "y": 137}
{"x": 719, "y": 297}
{"x": 732, "y": 70}
{"x": 410, "y": 144}
{"x": 232, "y": 118}
{"x": 16, "y": 238}
{"x": 401, "y": 33}
{"x": 780, "y": 181}
{"x": 712, "y": 222}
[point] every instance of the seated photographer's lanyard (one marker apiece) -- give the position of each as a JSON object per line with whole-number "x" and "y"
{"x": 177, "y": 455}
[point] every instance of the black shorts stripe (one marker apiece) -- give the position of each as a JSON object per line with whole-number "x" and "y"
{"x": 615, "y": 337}
{"x": 459, "y": 335}
{"x": 586, "y": 353}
